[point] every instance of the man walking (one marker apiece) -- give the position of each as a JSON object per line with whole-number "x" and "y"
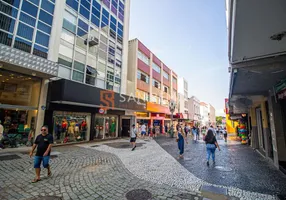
{"x": 133, "y": 136}
{"x": 43, "y": 143}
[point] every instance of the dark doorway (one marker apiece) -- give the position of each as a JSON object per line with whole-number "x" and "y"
{"x": 125, "y": 127}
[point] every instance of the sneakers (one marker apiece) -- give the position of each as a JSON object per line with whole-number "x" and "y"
{"x": 133, "y": 148}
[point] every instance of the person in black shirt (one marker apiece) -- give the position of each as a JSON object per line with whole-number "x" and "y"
{"x": 43, "y": 143}
{"x": 211, "y": 144}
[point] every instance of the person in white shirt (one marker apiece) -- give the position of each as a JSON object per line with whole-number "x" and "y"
{"x": 133, "y": 135}
{"x": 143, "y": 130}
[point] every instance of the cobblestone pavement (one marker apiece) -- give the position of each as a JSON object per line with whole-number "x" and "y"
{"x": 79, "y": 173}
{"x": 152, "y": 163}
{"x": 236, "y": 166}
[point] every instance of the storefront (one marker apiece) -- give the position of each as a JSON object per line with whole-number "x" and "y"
{"x": 77, "y": 112}
{"x": 19, "y": 99}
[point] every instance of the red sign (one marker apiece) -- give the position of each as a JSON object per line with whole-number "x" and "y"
{"x": 101, "y": 111}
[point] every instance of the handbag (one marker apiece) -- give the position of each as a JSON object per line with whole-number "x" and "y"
{"x": 177, "y": 139}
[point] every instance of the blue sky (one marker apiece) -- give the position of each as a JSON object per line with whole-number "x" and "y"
{"x": 189, "y": 36}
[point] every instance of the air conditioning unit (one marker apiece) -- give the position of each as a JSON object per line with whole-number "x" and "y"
{"x": 92, "y": 41}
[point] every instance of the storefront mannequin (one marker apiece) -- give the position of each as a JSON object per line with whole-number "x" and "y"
{"x": 107, "y": 128}
{"x": 64, "y": 127}
{"x": 113, "y": 128}
{"x": 71, "y": 129}
{"x": 83, "y": 129}
{"x": 76, "y": 129}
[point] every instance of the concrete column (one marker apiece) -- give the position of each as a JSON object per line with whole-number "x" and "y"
{"x": 42, "y": 104}
{"x": 254, "y": 131}
{"x": 266, "y": 130}
{"x": 277, "y": 131}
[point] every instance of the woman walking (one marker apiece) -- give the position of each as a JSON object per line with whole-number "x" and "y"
{"x": 181, "y": 137}
{"x": 211, "y": 145}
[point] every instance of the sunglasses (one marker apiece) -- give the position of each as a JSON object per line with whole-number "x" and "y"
{"x": 43, "y": 130}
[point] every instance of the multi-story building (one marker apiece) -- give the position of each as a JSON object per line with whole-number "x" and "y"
{"x": 194, "y": 110}
{"x": 183, "y": 97}
{"x": 151, "y": 80}
{"x": 204, "y": 112}
{"x": 257, "y": 73}
{"x": 83, "y": 46}
{"x": 212, "y": 116}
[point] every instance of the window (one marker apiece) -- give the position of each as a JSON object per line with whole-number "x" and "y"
{"x": 90, "y": 75}
{"x": 156, "y": 99}
{"x": 46, "y": 17}
{"x": 14, "y": 3}
{"x": 174, "y": 80}
{"x": 142, "y": 76}
{"x": 156, "y": 84}
{"x": 29, "y": 8}
{"x": 48, "y": 6}
{"x": 44, "y": 27}
{"x": 156, "y": 68}
{"x": 69, "y": 22}
{"x": 100, "y": 83}
{"x": 85, "y": 3}
{"x": 117, "y": 80}
{"x": 6, "y": 38}
{"x": 142, "y": 95}
{"x": 65, "y": 61}
{"x": 67, "y": 36}
{"x": 77, "y": 76}
{"x": 95, "y": 20}
{"x": 166, "y": 75}
{"x": 25, "y": 31}
{"x": 42, "y": 39}
{"x": 166, "y": 89}
{"x": 118, "y": 63}
{"x": 109, "y": 86}
{"x": 27, "y": 19}
{"x": 7, "y": 23}
{"x": 84, "y": 12}
{"x": 40, "y": 51}
{"x": 78, "y": 66}
{"x": 23, "y": 45}
{"x": 143, "y": 57}
{"x": 73, "y": 4}
{"x": 110, "y": 76}
{"x": 119, "y": 50}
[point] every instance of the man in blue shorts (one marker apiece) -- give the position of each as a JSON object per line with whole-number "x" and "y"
{"x": 43, "y": 143}
{"x": 143, "y": 130}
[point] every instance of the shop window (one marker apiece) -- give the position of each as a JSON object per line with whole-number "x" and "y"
{"x": 19, "y": 89}
{"x": 71, "y": 126}
{"x": 105, "y": 127}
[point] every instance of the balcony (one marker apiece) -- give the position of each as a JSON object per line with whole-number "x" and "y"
{"x": 141, "y": 85}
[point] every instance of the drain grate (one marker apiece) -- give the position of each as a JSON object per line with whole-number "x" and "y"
{"x": 9, "y": 157}
{"x": 141, "y": 194}
{"x": 47, "y": 198}
{"x": 123, "y": 145}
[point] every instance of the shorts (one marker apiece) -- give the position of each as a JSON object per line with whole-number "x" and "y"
{"x": 39, "y": 159}
{"x": 143, "y": 133}
{"x": 132, "y": 139}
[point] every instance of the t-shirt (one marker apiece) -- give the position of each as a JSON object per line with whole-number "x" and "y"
{"x": 143, "y": 128}
{"x": 43, "y": 143}
{"x": 213, "y": 141}
{"x": 133, "y": 133}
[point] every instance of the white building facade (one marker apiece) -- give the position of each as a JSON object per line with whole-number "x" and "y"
{"x": 194, "y": 109}
{"x": 204, "y": 110}
{"x": 183, "y": 97}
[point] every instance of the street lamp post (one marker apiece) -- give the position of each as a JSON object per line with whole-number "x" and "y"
{"x": 172, "y": 108}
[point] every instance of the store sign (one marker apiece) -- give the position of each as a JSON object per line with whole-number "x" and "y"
{"x": 235, "y": 117}
{"x": 101, "y": 111}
